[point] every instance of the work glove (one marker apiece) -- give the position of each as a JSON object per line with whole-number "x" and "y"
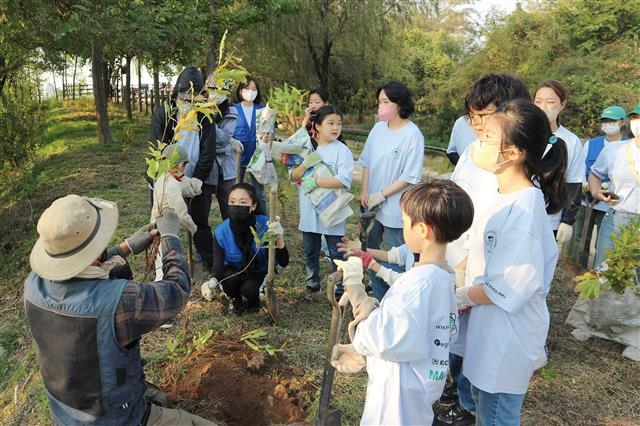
{"x": 345, "y": 359}
{"x": 140, "y": 240}
{"x": 563, "y": 236}
{"x": 208, "y": 287}
{"x": 311, "y": 159}
{"x": 309, "y": 184}
{"x": 462, "y": 299}
{"x": 375, "y": 199}
{"x": 168, "y": 223}
{"x": 354, "y": 292}
{"x": 238, "y": 147}
{"x": 275, "y": 227}
{"x": 190, "y": 187}
{"x": 352, "y": 248}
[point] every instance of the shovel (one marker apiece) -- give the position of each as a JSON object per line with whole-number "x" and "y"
{"x": 327, "y": 416}
{"x": 365, "y": 223}
{"x": 585, "y": 227}
{"x": 273, "y": 307}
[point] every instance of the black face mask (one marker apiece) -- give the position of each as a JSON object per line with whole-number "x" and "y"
{"x": 239, "y": 213}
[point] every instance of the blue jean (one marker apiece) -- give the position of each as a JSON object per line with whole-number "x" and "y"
{"x": 462, "y": 384}
{"x": 392, "y": 236}
{"x": 378, "y": 286}
{"x": 610, "y": 225}
{"x": 497, "y": 409}
{"x": 311, "y": 243}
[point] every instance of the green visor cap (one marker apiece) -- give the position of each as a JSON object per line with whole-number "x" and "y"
{"x": 635, "y": 110}
{"x": 613, "y": 113}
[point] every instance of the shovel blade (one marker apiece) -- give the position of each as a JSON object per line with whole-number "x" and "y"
{"x": 273, "y": 306}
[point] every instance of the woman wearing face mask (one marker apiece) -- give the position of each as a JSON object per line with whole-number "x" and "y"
{"x": 620, "y": 164}
{"x": 611, "y": 121}
{"x": 551, "y": 97}
{"x": 238, "y": 264}
{"x": 392, "y": 160}
{"x": 512, "y": 259}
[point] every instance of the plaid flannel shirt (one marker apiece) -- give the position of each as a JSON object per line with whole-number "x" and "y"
{"x": 145, "y": 306}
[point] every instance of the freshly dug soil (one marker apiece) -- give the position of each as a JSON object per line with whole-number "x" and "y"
{"x": 230, "y": 383}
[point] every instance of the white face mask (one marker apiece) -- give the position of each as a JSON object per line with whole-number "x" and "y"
{"x": 635, "y": 127}
{"x": 249, "y": 95}
{"x": 610, "y": 129}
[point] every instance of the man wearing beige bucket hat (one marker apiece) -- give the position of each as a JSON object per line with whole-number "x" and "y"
{"x": 87, "y": 326}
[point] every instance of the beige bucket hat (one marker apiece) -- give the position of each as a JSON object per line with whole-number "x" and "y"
{"x": 73, "y": 231}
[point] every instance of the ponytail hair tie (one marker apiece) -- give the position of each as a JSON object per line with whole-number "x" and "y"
{"x": 552, "y": 140}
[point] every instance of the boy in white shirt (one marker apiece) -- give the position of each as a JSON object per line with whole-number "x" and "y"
{"x": 405, "y": 340}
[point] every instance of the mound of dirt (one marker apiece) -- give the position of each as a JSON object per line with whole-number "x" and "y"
{"x": 230, "y": 383}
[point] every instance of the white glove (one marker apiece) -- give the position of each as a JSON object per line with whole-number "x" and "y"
{"x": 275, "y": 227}
{"x": 238, "y": 147}
{"x": 462, "y": 298}
{"x": 361, "y": 304}
{"x": 345, "y": 359}
{"x": 564, "y": 234}
{"x": 190, "y": 187}
{"x": 375, "y": 199}
{"x": 208, "y": 288}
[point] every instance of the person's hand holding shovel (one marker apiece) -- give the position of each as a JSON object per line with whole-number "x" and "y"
{"x": 361, "y": 304}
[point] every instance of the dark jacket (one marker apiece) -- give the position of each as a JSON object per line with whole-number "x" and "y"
{"x": 163, "y": 123}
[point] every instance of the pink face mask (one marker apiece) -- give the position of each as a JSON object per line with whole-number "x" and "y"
{"x": 387, "y": 113}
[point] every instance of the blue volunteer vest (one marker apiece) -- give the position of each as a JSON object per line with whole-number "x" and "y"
{"x": 89, "y": 378}
{"x": 246, "y": 132}
{"x": 232, "y": 254}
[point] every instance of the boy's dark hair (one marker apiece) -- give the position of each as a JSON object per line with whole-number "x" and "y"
{"x": 399, "y": 94}
{"x": 526, "y": 126}
{"x": 442, "y": 205}
{"x": 496, "y": 89}
{"x": 258, "y": 99}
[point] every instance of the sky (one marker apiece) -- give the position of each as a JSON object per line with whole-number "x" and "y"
{"x": 483, "y": 6}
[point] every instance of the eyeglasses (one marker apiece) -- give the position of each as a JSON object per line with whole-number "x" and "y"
{"x": 476, "y": 119}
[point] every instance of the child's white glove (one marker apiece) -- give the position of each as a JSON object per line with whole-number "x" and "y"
{"x": 375, "y": 199}
{"x": 361, "y": 304}
{"x": 190, "y": 187}
{"x": 462, "y": 298}
{"x": 345, "y": 359}
{"x": 208, "y": 287}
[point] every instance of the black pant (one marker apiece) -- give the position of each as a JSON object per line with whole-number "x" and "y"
{"x": 199, "y": 211}
{"x": 243, "y": 284}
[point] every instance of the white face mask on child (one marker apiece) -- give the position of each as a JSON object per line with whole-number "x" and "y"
{"x": 610, "y": 129}
{"x": 634, "y": 125}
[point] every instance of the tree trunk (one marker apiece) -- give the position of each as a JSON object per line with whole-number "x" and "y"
{"x": 127, "y": 87}
{"x": 156, "y": 87}
{"x": 55, "y": 89}
{"x": 139, "y": 85}
{"x": 73, "y": 80}
{"x": 64, "y": 78}
{"x": 99, "y": 93}
{"x": 212, "y": 57}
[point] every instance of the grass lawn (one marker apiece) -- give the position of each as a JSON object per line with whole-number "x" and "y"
{"x": 216, "y": 374}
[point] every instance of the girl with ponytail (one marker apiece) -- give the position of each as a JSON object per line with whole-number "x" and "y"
{"x": 512, "y": 258}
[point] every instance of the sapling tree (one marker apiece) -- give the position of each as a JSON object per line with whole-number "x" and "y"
{"x": 620, "y": 269}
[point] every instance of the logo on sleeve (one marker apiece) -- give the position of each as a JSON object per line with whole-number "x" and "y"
{"x": 490, "y": 239}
